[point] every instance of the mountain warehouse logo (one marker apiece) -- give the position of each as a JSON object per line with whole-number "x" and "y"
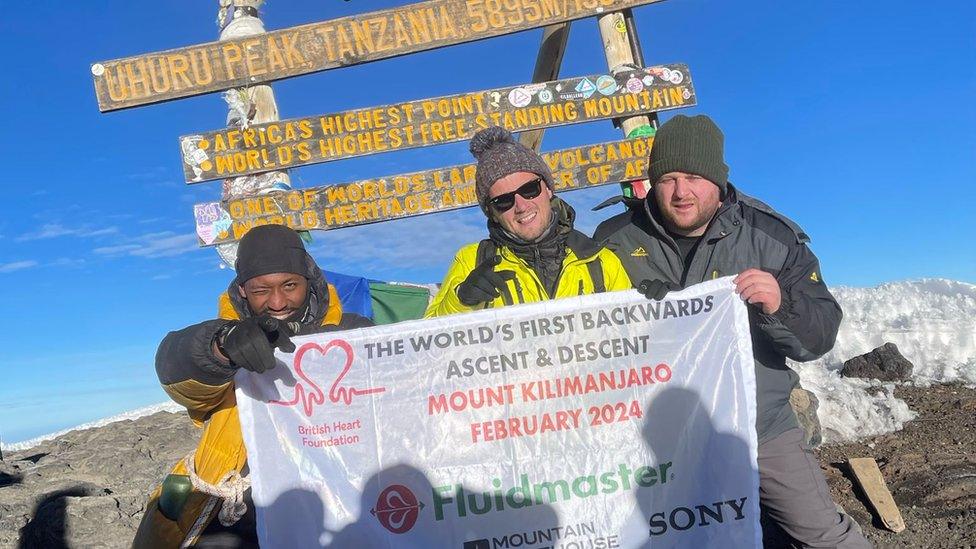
{"x": 453, "y": 498}
{"x": 397, "y": 509}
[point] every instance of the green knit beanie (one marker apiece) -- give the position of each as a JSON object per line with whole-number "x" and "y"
{"x": 690, "y": 144}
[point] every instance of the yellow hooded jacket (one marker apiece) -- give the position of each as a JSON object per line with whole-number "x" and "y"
{"x": 220, "y": 450}
{"x": 575, "y": 278}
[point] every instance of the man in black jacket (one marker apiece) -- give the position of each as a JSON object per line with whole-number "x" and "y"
{"x": 695, "y": 226}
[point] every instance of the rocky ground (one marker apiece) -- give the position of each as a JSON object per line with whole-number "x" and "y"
{"x": 930, "y": 468}
{"x": 88, "y": 488}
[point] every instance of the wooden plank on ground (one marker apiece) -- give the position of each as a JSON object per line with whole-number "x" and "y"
{"x": 868, "y": 475}
{"x": 184, "y": 72}
{"x": 547, "y": 65}
{"x": 407, "y": 195}
{"x": 232, "y": 152}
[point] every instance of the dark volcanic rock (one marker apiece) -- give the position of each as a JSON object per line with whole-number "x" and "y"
{"x": 884, "y": 363}
{"x": 88, "y": 488}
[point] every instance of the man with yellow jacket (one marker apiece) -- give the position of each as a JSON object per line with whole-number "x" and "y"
{"x": 533, "y": 253}
{"x": 279, "y": 291}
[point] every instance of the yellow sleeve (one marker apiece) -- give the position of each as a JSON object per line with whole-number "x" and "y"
{"x": 446, "y": 301}
{"x": 614, "y": 274}
{"x": 200, "y": 399}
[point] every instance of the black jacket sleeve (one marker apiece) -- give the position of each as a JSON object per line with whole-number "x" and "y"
{"x": 806, "y": 324}
{"x": 187, "y": 354}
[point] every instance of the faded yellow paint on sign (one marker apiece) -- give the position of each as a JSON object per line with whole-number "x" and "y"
{"x": 406, "y": 195}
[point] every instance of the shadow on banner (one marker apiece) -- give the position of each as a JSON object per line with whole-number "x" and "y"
{"x": 389, "y": 506}
{"x": 672, "y": 516}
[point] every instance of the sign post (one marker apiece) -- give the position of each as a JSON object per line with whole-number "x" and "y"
{"x": 297, "y": 142}
{"x": 253, "y": 104}
{"x": 247, "y": 61}
{"x": 407, "y": 195}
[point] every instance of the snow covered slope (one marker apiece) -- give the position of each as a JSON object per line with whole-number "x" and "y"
{"x": 933, "y": 323}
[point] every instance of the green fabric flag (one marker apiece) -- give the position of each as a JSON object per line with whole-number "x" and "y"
{"x": 396, "y": 303}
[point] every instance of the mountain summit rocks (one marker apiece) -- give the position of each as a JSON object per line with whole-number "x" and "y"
{"x": 88, "y": 488}
{"x": 884, "y": 363}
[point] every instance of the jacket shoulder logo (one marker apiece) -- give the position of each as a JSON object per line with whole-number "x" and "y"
{"x": 814, "y": 277}
{"x": 639, "y": 252}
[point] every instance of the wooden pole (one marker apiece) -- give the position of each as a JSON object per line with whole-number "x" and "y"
{"x": 617, "y": 46}
{"x": 250, "y": 105}
{"x": 547, "y": 66}
{"x": 622, "y": 49}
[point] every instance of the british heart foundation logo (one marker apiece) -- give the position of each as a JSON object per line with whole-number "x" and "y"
{"x": 397, "y": 509}
{"x": 307, "y": 390}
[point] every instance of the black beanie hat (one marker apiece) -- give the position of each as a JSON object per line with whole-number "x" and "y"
{"x": 690, "y": 144}
{"x": 267, "y": 249}
{"x": 500, "y": 155}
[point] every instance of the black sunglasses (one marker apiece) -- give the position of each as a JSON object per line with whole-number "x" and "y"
{"x": 528, "y": 191}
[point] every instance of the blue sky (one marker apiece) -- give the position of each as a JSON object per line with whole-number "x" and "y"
{"x": 854, "y": 118}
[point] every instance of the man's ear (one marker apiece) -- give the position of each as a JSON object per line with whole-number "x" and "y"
{"x": 240, "y": 290}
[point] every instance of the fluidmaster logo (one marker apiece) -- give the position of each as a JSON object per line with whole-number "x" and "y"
{"x": 397, "y": 509}
{"x": 454, "y": 499}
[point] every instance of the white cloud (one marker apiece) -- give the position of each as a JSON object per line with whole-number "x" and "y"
{"x": 17, "y": 265}
{"x": 116, "y": 250}
{"x": 153, "y": 245}
{"x": 56, "y": 230}
{"x": 419, "y": 243}
{"x": 153, "y": 174}
{"x": 67, "y": 262}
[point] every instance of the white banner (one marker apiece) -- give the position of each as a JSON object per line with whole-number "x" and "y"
{"x": 594, "y": 422}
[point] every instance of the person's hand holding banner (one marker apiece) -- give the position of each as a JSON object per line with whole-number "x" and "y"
{"x": 655, "y": 289}
{"x": 250, "y": 343}
{"x": 759, "y": 288}
{"x": 484, "y": 283}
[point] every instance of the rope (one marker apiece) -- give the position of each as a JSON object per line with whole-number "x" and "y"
{"x": 230, "y": 488}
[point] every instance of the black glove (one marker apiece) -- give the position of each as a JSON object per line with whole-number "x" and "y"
{"x": 483, "y": 284}
{"x": 655, "y": 289}
{"x": 250, "y": 343}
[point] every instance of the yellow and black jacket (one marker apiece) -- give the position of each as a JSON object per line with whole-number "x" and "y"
{"x": 192, "y": 376}
{"x": 586, "y": 268}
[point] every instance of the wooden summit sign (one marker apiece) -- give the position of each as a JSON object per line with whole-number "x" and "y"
{"x": 184, "y": 72}
{"x": 284, "y": 144}
{"x": 408, "y": 195}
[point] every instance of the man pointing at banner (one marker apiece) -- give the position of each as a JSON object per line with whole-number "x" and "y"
{"x": 279, "y": 291}
{"x": 532, "y": 253}
{"x": 696, "y": 226}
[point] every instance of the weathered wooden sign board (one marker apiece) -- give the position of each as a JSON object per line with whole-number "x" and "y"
{"x": 286, "y": 144}
{"x": 869, "y": 476}
{"x": 407, "y": 195}
{"x": 184, "y": 72}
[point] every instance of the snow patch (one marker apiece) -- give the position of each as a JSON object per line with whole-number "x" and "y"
{"x": 131, "y": 414}
{"x": 853, "y": 408}
{"x": 933, "y": 323}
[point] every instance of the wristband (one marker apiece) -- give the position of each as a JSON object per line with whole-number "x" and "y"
{"x": 221, "y": 335}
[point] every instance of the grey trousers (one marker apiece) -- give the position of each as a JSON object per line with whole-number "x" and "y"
{"x": 794, "y": 493}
